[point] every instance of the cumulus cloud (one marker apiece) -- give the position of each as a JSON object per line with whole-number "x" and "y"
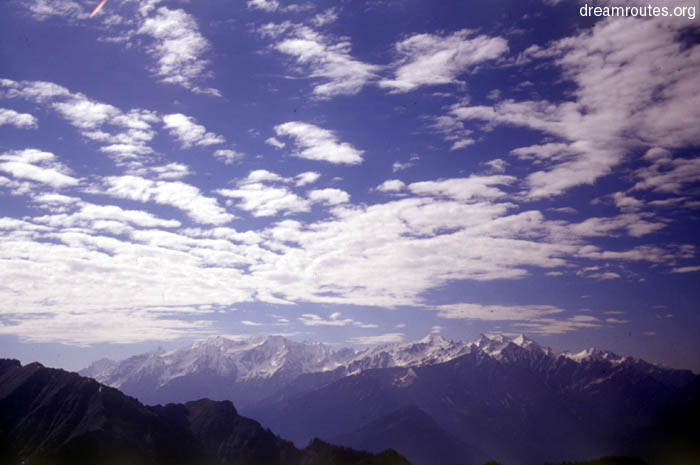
{"x": 391, "y": 185}
{"x": 36, "y": 165}
{"x": 428, "y": 59}
{"x": 329, "y": 196}
{"x": 84, "y": 113}
{"x": 124, "y": 135}
{"x": 265, "y": 5}
{"x": 473, "y": 187}
{"x": 185, "y": 197}
{"x": 315, "y": 143}
{"x": 307, "y": 177}
{"x": 20, "y": 120}
{"x": 188, "y": 132}
{"x": 92, "y": 216}
{"x": 227, "y": 156}
{"x": 263, "y": 200}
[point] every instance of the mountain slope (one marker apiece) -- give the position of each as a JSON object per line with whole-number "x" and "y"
{"x": 518, "y": 401}
{"x": 416, "y": 434}
{"x": 50, "y": 416}
{"x": 519, "y": 404}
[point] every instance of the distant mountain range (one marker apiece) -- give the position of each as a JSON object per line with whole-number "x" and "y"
{"x": 434, "y": 400}
{"x": 53, "y": 417}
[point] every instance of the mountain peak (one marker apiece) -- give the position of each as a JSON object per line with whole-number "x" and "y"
{"x": 593, "y": 354}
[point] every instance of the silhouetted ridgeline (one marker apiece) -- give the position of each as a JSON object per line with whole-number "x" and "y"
{"x": 53, "y": 417}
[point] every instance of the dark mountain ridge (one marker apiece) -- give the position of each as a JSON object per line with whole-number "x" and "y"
{"x": 50, "y": 416}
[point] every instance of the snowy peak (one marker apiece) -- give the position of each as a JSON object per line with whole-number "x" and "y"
{"x": 593, "y": 354}
{"x": 430, "y": 350}
{"x": 277, "y": 360}
{"x": 511, "y": 349}
{"x": 100, "y": 368}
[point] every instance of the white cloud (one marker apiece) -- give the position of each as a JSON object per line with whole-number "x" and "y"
{"x": 469, "y": 311}
{"x": 666, "y": 174}
{"x": 265, "y": 5}
{"x": 227, "y": 156}
{"x": 326, "y": 17}
{"x": 616, "y": 321}
{"x": 391, "y": 185}
{"x": 541, "y": 319}
{"x": 84, "y": 328}
{"x": 310, "y": 319}
{"x": 307, "y": 177}
{"x": 427, "y": 59}
{"x": 400, "y": 166}
{"x": 38, "y": 166}
{"x": 170, "y": 171}
{"x": 685, "y": 269}
{"x": 275, "y": 143}
{"x": 621, "y": 103}
{"x": 464, "y": 189}
{"x": 264, "y": 200}
{"x": 84, "y": 113}
{"x": 45, "y": 9}
{"x": 179, "y": 48}
{"x": 187, "y": 131}
{"x": 329, "y": 196}
{"x": 263, "y": 176}
{"x": 497, "y": 165}
{"x": 183, "y": 196}
{"x": 38, "y": 91}
{"x": 88, "y": 215}
{"x": 20, "y": 120}
{"x": 327, "y": 60}
{"x": 124, "y": 135}
{"x": 315, "y": 143}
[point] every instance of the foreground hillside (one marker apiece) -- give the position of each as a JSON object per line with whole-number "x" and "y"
{"x": 50, "y": 416}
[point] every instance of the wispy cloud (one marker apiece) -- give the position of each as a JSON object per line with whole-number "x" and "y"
{"x": 325, "y": 59}
{"x": 428, "y": 59}
{"x": 385, "y": 338}
{"x": 179, "y": 49}
{"x": 542, "y": 319}
{"x": 615, "y": 109}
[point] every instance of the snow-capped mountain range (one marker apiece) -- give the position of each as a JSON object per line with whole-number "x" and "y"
{"x": 495, "y": 397}
{"x": 272, "y": 362}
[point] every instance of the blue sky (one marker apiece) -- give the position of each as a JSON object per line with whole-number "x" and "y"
{"x": 350, "y": 172}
